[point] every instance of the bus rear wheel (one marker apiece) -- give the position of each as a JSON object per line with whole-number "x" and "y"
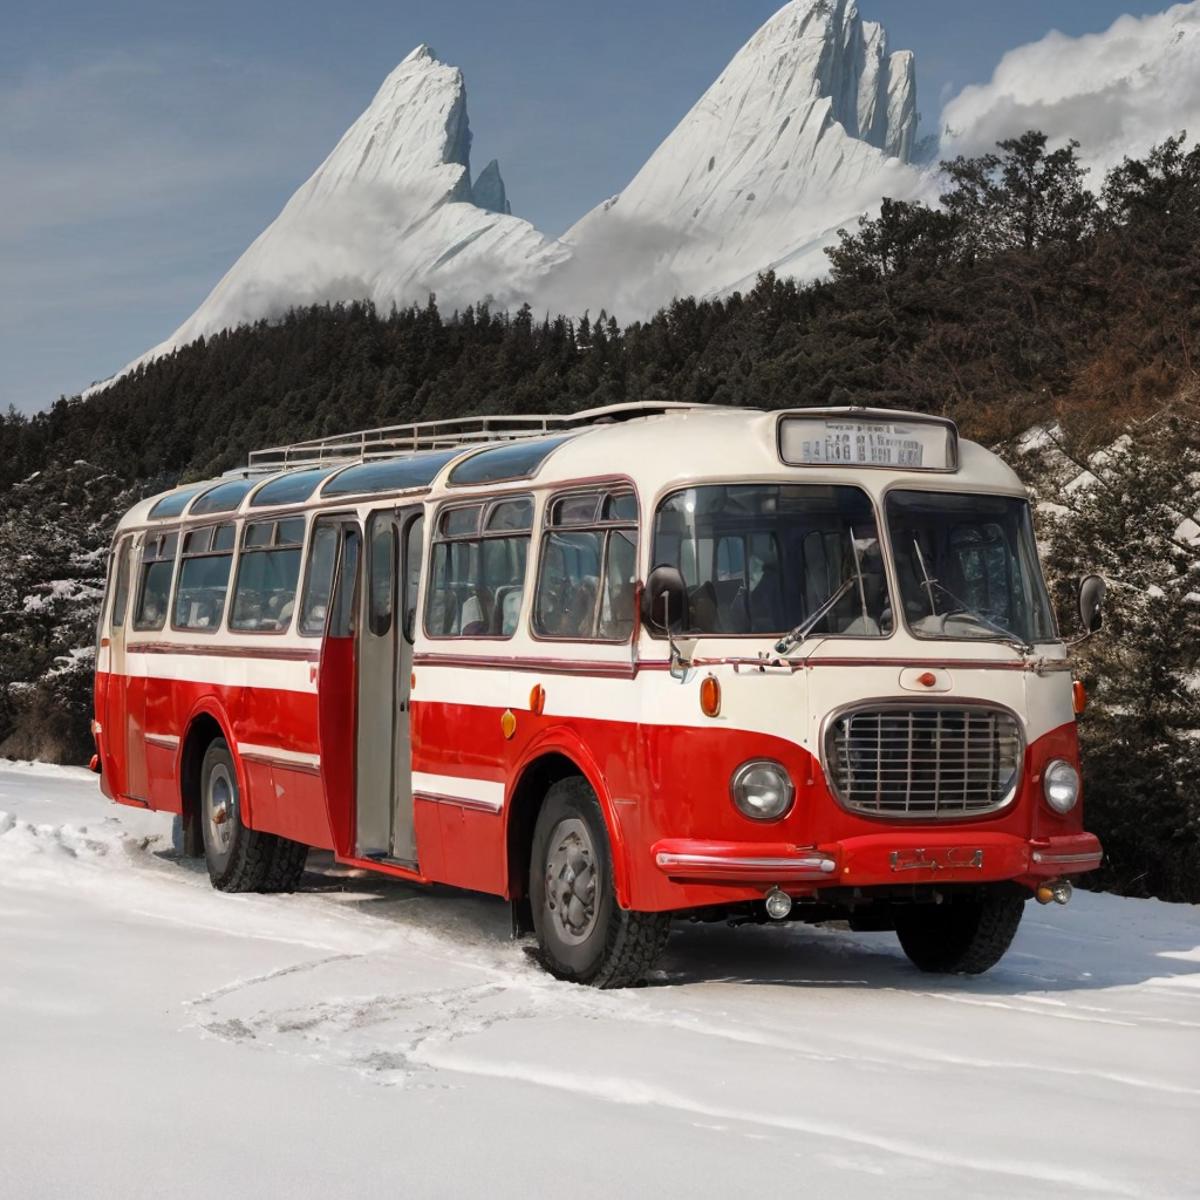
{"x": 241, "y": 859}
{"x": 961, "y": 936}
{"x": 584, "y": 934}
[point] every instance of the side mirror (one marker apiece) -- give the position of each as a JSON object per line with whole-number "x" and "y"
{"x": 1091, "y": 602}
{"x": 664, "y": 600}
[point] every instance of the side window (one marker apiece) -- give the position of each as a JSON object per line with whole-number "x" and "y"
{"x": 414, "y": 541}
{"x": 318, "y": 580}
{"x": 345, "y": 595}
{"x": 477, "y": 569}
{"x": 588, "y": 567}
{"x": 268, "y": 572}
{"x": 382, "y": 575}
{"x": 121, "y": 585}
{"x": 154, "y": 580}
{"x": 205, "y": 560}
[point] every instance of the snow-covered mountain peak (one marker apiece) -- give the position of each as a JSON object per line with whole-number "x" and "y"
{"x": 809, "y": 124}
{"x": 823, "y": 48}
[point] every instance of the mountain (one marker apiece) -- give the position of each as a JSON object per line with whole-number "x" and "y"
{"x": 391, "y": 216}
{"x": 809, "y": 125}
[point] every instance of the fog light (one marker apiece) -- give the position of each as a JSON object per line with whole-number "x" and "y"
{"x": 762, "y": 790}
{"x": 1060, "y": 785}
{"x": 1062, "y": 891}
{"x": 779, "y": 904}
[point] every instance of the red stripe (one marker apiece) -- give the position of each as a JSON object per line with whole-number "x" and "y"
{"x": 280, "y": 653}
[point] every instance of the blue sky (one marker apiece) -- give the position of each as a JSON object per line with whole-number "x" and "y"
{"x": 143, "y": 144}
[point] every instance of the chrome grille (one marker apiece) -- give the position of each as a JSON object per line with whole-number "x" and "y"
{"x": 925, "y": 761}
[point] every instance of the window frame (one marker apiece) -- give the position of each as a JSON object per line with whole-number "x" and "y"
{"x": 881, "y": 533}
{"x": 182, "y": 555}
{"x": 122, "y": 557}
{"x": 243, "y": 550}
{"x": 336, "y": 520}
{"x": 136, "y": 625}
{"x": 1054, "y": 639}
{"x": 481, "y": 534}
{"x": 598, "y": 524}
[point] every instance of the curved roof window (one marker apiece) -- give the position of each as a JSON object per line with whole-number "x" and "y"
{"x": 391, "y": 474}
{"x": 174, "y": 504}
{"x": 225, "y": 497}
{"x": 293, "y": 488}
{"x": 512, "y": 460}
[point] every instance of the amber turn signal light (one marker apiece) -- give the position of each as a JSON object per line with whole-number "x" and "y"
{"x": 537, "y": 700}
{"x": 1079, "y": 698}
{"x": 710, "y": 696}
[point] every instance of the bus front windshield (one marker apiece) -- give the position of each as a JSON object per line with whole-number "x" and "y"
{"x": 967, "y": 567}
{"x": 761, "y": 559}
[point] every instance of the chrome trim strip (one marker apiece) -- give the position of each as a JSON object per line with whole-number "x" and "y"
{"x": 279, "y": 757}
{"x": 817, "y": 864}
{"x": 165, "y": 741}
{"x": 460, "y": 802}
{"x": 1040, "y": 856}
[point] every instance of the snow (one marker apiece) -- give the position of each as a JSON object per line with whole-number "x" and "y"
{"x": 158, "y": 1037}
{"x": 1117, "y": 92}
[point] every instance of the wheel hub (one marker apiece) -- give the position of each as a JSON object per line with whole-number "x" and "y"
{"x": 220, "y": 802}
{"x": 572, "y": 884}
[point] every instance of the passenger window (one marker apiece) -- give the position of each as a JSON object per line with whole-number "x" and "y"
{"x": 154, "y": 583}
{"x": 121, "y": 586}
{"x": 268, "y": 571}
{"x": 203, "y": 578}
{"x": 587, "y": 578}
{"x": 477, "y": 579}
{"x": 342, "y": 622}
{"x": 414, "y": 538}
{"x": 318, "y": 582}
{"x": 382, "y": 574}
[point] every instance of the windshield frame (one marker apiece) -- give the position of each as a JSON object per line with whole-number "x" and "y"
{"x": 773, "y": 480}
{"x": 994, "y": 638}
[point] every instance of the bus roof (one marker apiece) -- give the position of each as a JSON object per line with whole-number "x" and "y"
{"x": 658, "y": 448}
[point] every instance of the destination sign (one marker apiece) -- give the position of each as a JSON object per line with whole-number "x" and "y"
{"x": 836, "y": 442}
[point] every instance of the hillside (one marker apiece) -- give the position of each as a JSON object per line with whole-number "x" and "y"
{"x": 1021, "y": 300}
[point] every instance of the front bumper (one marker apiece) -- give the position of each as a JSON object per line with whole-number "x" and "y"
{"x": 879, "y": 859}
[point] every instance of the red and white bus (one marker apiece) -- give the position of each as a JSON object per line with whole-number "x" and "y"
{"x": 640, "y": 663}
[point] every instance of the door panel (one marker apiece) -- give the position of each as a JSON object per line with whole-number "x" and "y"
{"x": 337, "y": 688}
{"x": 384, "y": 777}
{"x": 114, "y": 717}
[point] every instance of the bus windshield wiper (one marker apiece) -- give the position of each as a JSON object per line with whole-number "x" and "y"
{"x": 965, "y": 610}
{"x": 790, "y": 641}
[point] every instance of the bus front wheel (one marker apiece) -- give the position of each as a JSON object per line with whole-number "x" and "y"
{"x": 961, "y": 936}
{"x": 584, "y": 934}
{"x": 241, "y": 859}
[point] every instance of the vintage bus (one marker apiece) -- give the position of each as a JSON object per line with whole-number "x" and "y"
{"x": 639, "y": 664}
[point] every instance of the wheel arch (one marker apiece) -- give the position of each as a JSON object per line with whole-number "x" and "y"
{"x": 546, "y": 761}
{"x": 205, "y": 724}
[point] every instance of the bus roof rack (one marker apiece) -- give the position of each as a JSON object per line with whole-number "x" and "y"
{"x": 390, "y": 441}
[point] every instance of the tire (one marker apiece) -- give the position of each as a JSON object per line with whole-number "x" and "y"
{"x": 584, "y": 934}
{"x": 960, "y": 937}
{"x": 241, "y": 859}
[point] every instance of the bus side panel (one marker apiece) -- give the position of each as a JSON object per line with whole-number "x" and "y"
{"x": 291, "y": 803}
{"x": 476, "y": 846}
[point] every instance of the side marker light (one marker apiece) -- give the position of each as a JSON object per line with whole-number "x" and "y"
{"x": 710, "y": 696}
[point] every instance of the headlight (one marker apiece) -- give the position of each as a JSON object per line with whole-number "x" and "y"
{"x": 762, "y": 790}
{"x": 1060, "y": 784}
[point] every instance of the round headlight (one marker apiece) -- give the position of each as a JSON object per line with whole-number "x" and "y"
{"x": 762, "y": 790}
{"x": 1060, "y": 784}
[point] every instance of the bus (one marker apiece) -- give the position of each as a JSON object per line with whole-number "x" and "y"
{"x": 634, "y": 665}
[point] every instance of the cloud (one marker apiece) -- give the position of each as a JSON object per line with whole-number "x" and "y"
{"x": 1117, "y": 92}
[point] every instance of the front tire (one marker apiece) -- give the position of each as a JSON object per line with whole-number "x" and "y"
{"x": 960, "y": 937}
{"x": 584, "y": 934}
{"x": 241, "y": 859}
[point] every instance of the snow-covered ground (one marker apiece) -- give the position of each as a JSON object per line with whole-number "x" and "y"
{"x": 367, "y": 1038}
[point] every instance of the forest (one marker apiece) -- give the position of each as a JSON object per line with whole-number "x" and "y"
{"x": 1053, "y": 316}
